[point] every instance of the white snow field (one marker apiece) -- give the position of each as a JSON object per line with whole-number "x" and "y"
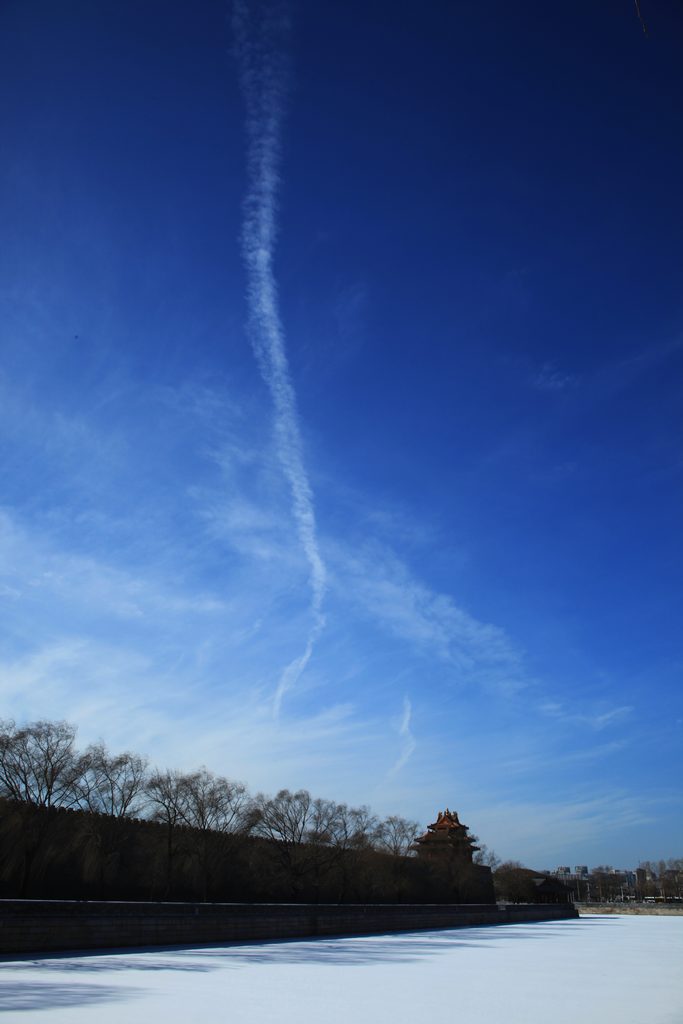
{"x": 624, "y": 969}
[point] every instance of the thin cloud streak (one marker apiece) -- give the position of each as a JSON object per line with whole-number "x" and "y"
{"x": 381, "y": 584}
{"x": 540, "y": 829}
{"x": 261, "y": 53}
{"x": 126, "y": 697}
{"x": 596, "y": 720}
{"x": 406, "y": 734}
{"x": 535, "y": 763}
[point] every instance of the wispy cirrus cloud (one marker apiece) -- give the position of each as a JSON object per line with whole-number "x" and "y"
{"x": 374, "y": 578}
{"x": 37, "y": 571}
{"x": 408, "y": 741}
{"x": 160, "y": 649}
{"x": 551, "y": 378}
{"x": 597, "y": 719}
{"x": 134, "y": 699}
{"x": 539, "y": 829}
{"x": 153, "y": 662}
{"x": 261, "y": 49}
{"x": 551, "y": 759}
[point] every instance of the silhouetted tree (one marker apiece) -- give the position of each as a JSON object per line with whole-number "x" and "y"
{"x": 38, "y": 763}
{"x": 285, "y": 819}
{"x": 167, "y": 800}
{"x": 512, "y": 882}
{"x": 214, "y": 808}
{"x": 112, "y": 784}
{"x": 67, "y": 822}
{"x": 396, "y": 835}
{"x": 111, "y": 787}
{"x": 39, "y": 768}
{"x": 485, "y": 856}
{"x": 352, "y": 837}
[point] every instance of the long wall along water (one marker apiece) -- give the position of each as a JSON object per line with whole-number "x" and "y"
{"x": 33, "y": 926}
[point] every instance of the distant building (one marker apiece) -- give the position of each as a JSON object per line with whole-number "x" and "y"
{"x": 523, "y": 885}
{"x": 547, "y": 889}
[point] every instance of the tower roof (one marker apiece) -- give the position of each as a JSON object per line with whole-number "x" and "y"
{"x": 446, "y": 820}
{"x": 447, "y": 832}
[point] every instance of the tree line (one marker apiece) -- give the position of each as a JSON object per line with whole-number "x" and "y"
{"x": 658, "y": 880}
{"x": 96, "y": 824}
{"x": 661, "y": 880}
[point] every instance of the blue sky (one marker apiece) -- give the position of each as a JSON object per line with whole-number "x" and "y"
{"x": 387, "y": 506}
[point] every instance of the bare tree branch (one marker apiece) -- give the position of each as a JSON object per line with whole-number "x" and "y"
{"x": 38, "y": 763}
{"x": 112, "y": 784}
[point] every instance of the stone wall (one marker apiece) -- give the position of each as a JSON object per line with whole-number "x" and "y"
{"x": 33, "y": 926}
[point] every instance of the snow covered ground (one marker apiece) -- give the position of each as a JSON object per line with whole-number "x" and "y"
{"x": 589, "y": 971}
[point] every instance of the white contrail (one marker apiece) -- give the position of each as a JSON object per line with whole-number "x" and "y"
{"x": 261, "y": 37}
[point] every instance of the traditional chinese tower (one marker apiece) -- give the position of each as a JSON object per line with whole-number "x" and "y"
{"x": 448, "y": 848}
{"x": 447, "y": 835}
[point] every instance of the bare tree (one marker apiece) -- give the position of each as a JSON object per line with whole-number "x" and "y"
{"x": 39, "y": 770}
{"x": 286, "y": 819}
{"x": 325, "y": 822}
{"x": 167, "y": 799}
{"x": 396, "y": 835}
{"x": 324, "y": 839}
{"x": 213, "y": 806}
{"x": 212, "y": 803}
{"x": 487, "y": 857}
{"x": 354, "y": 828}
{"x": 313, "y": 837}
{"x": 38, "y": 763}
{"x": 363, "y": 827}
{"x": 112, "y": 784}
{"x": 111, "y": 788}
{"x": 674, "y": 876}
{"x": 513, "y": 882}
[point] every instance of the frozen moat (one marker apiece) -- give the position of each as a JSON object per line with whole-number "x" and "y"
{"x": 594, "y": 971}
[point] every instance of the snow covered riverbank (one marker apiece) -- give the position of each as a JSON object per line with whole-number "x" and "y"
{"x": 595, "y": 970}
{"x": 662, "y": 909}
